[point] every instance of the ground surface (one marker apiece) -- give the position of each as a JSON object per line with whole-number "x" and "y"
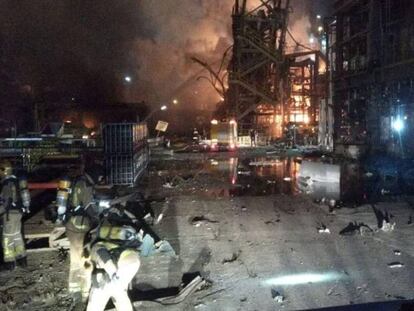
{"x": 239, "y": 223}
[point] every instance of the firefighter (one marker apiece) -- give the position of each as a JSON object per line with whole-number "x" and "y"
{"x": 15, "y": 201}
{"x": 113, "y": 252}
{"x": 74, "y": 199}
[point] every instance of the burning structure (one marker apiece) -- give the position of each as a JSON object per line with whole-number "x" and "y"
{"x": 371, "y": 46}
{"x": 271, "y": 88}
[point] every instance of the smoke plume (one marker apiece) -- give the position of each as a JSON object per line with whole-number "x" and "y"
{"x": 176, "y": 30}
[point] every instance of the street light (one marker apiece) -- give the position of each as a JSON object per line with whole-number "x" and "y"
{"x": 164, "y": 107}
{"x": 127, "y": 79}
{"x": 175, "y": 101}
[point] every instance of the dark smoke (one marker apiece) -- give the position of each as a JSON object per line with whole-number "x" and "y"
{"x": 55, "y": 50}
{"x": 177, "y": 30}
{"x": 76, "y": 48}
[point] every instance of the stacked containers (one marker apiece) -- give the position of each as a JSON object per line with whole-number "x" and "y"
{"x": 126, "y": 152}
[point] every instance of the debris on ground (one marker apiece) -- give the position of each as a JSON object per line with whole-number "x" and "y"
{"x": 362, "y": 289}
{"x": 387, "y": 227}
{"x": 197, "y": 221}
{"x": 278, "y": 297}
{"x": 323, "y": 229}
{"x": 233, "y": 257}
{"x": 168, "y": 185}
{"x": 199, "y": 305}
{"x": 159, "y": 218}
{"x": 397, "y": 297}
{"x": 356, "y": 228}
{"x": 395, "y": 264}
{"x": 332, "y": 291}
{"x": 62, "y": 254}
{"x": 397, "y": 252}
{"x": 244, "y": 208}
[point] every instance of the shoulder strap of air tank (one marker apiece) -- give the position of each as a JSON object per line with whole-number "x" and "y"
{"x": 74, "y": 182}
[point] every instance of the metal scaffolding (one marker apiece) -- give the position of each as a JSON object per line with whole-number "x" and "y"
{"x": 257, "y": 71}
{"x": 270, "y": 89}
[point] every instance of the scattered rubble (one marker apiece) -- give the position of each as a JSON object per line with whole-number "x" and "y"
{"x": 233, "y": 257}
{"x": 168, "y": 185}
{"x": 397, "y": 252}
{"x": 387, "y": 226}
{"x": 197, "y": 221}
{"x": 395, "y": 264}
{"x": 323, "y": 229}
{"x": 356, "y": 228}
{"x": 277, "y": 297}
{"x": 332, "y": 291}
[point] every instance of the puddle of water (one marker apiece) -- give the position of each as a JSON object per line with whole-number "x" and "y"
{"x": 254, "y": 176}
{"x": 258, "y": 176}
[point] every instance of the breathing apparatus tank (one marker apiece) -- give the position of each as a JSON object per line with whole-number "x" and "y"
{"x": 24, "y": 193}
{"x": 62, "y": 198}
{"x": 117, "y": 233}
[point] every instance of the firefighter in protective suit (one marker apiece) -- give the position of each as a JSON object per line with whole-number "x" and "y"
{"x": 14, "y": 201}
{"x": 113, "y": 252}
{"x": 73, "y": 201}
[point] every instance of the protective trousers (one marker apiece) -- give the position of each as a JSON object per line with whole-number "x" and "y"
{"x": 79, "y": 275}
{"x": 12, "y": 239}
{"x": 116, "y": 289}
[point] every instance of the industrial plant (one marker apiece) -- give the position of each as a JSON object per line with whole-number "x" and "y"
{"x": 206, "y": 155}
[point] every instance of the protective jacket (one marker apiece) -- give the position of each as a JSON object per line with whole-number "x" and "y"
{"x": 114, "y": 254}
{"x": 14, "y": 201}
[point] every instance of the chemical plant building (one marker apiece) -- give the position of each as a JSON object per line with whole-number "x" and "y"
{"x": 372, "y": 61}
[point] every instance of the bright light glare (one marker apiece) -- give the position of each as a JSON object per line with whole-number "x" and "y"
{"x": 304, "y": 278}
{"x": 104, "y": 203}
{"x": 163, "y": 107}
{"x": 175, "y": 101}
{"x": 128, "y": 79}
{"x": 398, "y": 125}
{"x": 320, "y": 28}
{"x": 214, "y": 122}
{"x": 232, "y": 121}
{"x": 318, "y": 16}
